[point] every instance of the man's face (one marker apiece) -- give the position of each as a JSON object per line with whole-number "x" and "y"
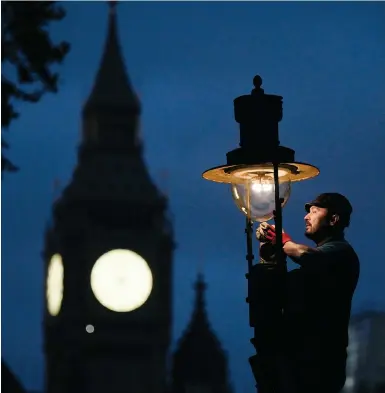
{"x": 316, "y": 222}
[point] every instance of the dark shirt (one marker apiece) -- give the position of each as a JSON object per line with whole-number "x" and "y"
{"x": 319, "y": 297}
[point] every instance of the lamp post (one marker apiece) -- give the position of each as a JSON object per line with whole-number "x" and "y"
{"x": 260, "y": 172}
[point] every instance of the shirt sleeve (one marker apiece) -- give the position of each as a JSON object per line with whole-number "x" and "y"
{"x": 323, "y": 256}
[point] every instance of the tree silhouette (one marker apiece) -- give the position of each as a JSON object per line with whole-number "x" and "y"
{"x": 28, "y": 56}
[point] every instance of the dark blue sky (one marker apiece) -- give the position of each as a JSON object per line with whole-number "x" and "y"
{"x": 188, "y": 61}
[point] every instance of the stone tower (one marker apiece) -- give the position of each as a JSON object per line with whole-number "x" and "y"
{"x": 108, "y": 252}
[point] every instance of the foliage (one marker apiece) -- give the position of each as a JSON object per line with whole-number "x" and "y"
{"x": 28, "y": 56}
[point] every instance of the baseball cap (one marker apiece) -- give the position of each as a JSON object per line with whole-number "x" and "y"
{"x": 335, "y": 202}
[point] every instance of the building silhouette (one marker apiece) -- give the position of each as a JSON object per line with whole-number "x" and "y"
{"x": 366, "y": 353}
{"x": 9, "y": 382}
{"x": 199, "y": 363}
{"x": 108, "y": 257}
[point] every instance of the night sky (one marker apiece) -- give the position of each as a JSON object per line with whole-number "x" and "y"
{"x": 188, "y": 61}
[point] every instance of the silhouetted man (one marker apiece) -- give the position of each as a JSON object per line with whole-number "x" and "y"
{"x": 319, "y": 295}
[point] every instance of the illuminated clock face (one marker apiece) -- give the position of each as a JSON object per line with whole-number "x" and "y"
{"x": 55, "y": 284}
{"x": 121, "y": 280}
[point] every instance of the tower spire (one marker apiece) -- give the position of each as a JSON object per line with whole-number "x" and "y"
{"x": 199, "y": 360}
{"x": 112, "y": 4}
{"x": 112, "y": 86}
{"x": 200, "y": 315}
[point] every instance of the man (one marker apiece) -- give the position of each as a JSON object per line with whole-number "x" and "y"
{"x": 319, "y": 295}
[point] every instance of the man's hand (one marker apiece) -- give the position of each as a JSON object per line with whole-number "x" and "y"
{"x": 266, "y": 234}
{"x": 262, "y": 232}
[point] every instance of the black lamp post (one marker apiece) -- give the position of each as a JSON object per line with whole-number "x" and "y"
{"x": 260, "y": 173}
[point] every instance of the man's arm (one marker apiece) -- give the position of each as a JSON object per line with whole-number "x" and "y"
{"x": 315, "y": 259}
{"x": 305, "y": 256}
{"x": 295, "y": 251}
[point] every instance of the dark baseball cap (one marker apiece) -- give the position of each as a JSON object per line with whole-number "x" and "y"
{"x": 334, "y": 202}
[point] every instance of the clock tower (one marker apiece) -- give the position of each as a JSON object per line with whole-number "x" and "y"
{"x": 108, "y": 252}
